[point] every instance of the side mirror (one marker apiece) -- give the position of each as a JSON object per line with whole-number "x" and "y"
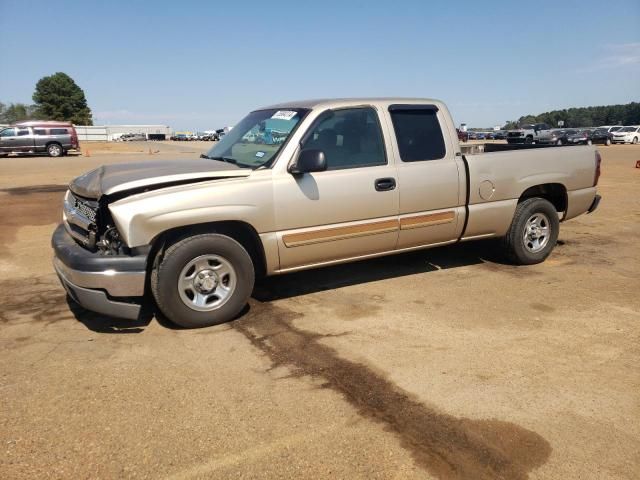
{"x": 309, "y": 161}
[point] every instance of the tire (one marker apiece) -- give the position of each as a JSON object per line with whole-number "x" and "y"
{"x": 589, "y": 142}
{"x": 635, "y": 140}
{"x": 192, "y": 262}
{"x": 559, "y": 142}
{"x": 54, "y": 150}
{"x": 607, "y": 142}
{"x": 521, "y": 249}
{"x": 528, "y": 140}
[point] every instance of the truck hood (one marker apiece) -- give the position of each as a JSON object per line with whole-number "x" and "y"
{"x": 110, "y": 179}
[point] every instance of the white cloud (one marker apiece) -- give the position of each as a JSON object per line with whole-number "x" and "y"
{"x": 617, "y": 56}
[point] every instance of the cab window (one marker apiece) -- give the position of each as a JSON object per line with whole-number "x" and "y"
{"x": 349, "y": 138}
{"x": 8, "y": 132}
{"x": 23, "y": 132}
{"x": 418, "y": 133}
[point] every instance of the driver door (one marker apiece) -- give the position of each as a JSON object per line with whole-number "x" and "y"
{"x": 351, "y": 209}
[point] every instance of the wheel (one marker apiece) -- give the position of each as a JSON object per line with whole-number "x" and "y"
{"x": 528, "y": 140}
{"x": 533, "y": 232}
{"x": 54, "y": 150}
{"x": 607, "y": 142}
{"x": 559, "y": 142}
{"x": 635, "y": 140}
{"x": 589, "y": 142}
{"x": 203, "y": 280}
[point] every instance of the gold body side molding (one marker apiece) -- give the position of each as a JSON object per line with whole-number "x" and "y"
{"x": 339, "y": 233}
{"x": 419, "y": 221}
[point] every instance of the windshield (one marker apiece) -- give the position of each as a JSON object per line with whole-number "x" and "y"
{"x": 628, "y": 129}
{"x": 256, "y": 140}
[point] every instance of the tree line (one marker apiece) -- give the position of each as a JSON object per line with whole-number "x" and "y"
{"x": 628, "y": 114}
{"x": 56, "y": 97}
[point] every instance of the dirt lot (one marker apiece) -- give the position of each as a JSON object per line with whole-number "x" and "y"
{"x": 438, "y": 364}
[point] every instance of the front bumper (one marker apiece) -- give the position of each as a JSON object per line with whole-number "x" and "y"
{"x": 108, "y": 284}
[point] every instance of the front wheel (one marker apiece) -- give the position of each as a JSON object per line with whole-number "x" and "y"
{"x": 635, "y": 140}
{"x": 533, "y": 232}
{"x": 203, "y": 280}
{"x": 589, "y": 142}
{"x": 54, "y": 150}
{"x": 607, "y": 142}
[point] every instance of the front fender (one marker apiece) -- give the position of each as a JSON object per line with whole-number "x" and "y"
{"x": 142, "y": 217}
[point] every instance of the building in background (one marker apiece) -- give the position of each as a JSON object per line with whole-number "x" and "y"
{"x": 108, "y": 133}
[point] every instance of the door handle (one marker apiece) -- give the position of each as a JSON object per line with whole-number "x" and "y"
{"x": 385, "y": 184}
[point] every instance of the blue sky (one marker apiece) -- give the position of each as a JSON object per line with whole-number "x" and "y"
{"x": 199, "y": 65}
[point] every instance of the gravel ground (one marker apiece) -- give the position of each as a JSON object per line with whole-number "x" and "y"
{"x": 440, "y": 364}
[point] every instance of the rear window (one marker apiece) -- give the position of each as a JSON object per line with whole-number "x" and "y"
{"x": 418, "y": 134}
{"x": 59, "y": 131}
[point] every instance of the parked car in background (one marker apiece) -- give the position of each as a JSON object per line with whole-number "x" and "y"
{"x": 500, "y": 135}
{"x": 462, "y": 135}
{"x": 481, "y": 136}
{"x": 50, "y": 137}
{"x": 602, "y": 136}
{"x": 557, "y": 136}
{"x": 133, "y": 137}
{"x": 531, "y": 133}
{"x": 472, "y": 135}
{"x": 489, "y": 135}
{"x": 579, "y": 137}
{"x": 627, "y": 135}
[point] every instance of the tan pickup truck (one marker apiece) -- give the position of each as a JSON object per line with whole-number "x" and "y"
{"x": 302, "y": 185}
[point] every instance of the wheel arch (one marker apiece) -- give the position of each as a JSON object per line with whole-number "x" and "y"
{"x": 242, "y": 232}
{"x": 556, "y": 193}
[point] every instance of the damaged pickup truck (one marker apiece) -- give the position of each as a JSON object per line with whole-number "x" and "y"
{"x": 302, "y": 185}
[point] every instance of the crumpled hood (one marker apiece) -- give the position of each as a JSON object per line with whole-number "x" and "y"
{"x": 110, "y": 179}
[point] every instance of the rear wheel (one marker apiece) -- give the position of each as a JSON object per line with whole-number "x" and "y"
{"x": 635, "y": 140}
{"x": 607, "y": 142}
{"x": 203, "y": 280}
{"x": 533, "y": 232}
{"x": 54, "y": 150}
{"x": 559, "y": 142}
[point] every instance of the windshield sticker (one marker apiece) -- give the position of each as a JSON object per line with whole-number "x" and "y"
{"x": 284, "y": 115}
{"x": 259, "y": 154}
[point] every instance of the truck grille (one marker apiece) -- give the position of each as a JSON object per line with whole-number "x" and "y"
{"x": 80, "y": 219}
{"x": 514, "y": 134}
{"x": 83, "y": 207}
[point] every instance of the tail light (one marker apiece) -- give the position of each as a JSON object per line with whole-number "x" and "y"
{"x": 596, "y": 177}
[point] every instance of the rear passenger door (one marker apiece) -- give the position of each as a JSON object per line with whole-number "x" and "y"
{"x": 429, "y": 176}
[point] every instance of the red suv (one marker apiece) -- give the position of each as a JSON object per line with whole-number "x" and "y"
{"x": 37, "y": 136}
